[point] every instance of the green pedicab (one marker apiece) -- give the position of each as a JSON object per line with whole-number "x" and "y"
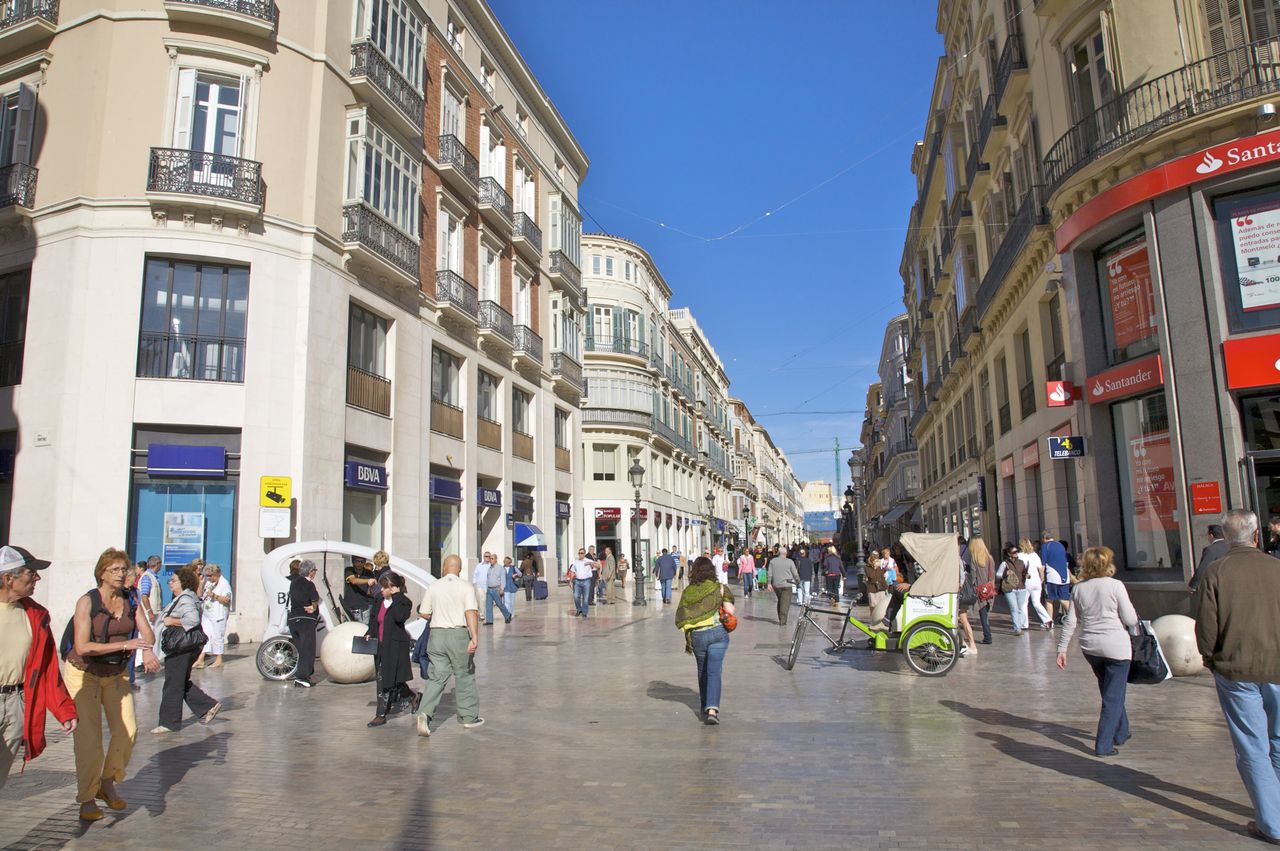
{"x": 924, "y": 628}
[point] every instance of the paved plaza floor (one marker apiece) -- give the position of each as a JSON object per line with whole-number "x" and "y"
{"x": 592, "y": 740}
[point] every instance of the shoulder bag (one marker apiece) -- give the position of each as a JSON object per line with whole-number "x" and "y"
{"x": 728, "y": 620}
{"x": 1148, "y": 666}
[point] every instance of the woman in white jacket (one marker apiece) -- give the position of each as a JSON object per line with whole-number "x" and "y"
{"x": 1035, "y": 581}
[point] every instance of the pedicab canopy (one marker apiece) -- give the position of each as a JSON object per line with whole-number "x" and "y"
{"x": 938, "y": 554}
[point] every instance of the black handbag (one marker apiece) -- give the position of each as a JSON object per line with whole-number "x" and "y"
{"x": 1148, "y": 666}
{"x": 364, "y": 645}
{"x": 968, "y": 593}
{"x": 175, "y": 640}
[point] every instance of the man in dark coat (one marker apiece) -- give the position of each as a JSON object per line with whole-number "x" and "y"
{"x": 1216, "y": 549}
{"x": 666, "y": 568}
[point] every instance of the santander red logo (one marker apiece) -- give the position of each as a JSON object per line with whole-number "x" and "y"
{"x": 1209, "y": 164}
{"x": 1127, "y": 379}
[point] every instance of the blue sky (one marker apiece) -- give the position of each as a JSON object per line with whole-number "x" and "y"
{"x": 761, "y": 152}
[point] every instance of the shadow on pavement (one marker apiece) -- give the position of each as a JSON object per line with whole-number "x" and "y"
{"x": 167, "y": 768}
{"x": 1121, "y": 778}
{"x": 1066, "y": 736}
{"x": 659, "y": 690}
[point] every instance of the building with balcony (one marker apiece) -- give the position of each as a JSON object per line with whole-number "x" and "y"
{"x": 892, "y": 471}
{"x": 764, "y": 510}
{"x": 1093, "y": 190}
{"x": 291, "y": 287}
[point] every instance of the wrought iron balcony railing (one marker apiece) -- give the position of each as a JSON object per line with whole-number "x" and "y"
{"x": 564, "y": 366}
{"x": 1013, "y": 57}
{"x": 18, "y": 185}
{"x": 523, "y": 227}
{"x": 201, "y": 173}
{"x": 613, "y": 416}
{"x": 492, "y": 194}
{"x": 991, "y": 118}
{"x": 263, "y": 10}
{"x": 15, "y": 12}
{"x": 1030, "y": 214}
{"x": 528, "y": 342}
{"x": 455, "y": 155}
{"x": 1221, "y": 80}
{"x": 452, "y": 289}
{"x": 368, "y": 62}
{"x": 494, "y": 318}
{"x": 618, "y": 345}
{"x": 562, "y": 266}
{"x": 1027, "y": 399}
{"x": 363, "y": 226}
{"x": 162, "y": 355}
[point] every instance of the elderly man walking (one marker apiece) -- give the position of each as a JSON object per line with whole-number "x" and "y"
{"x": 608, "y": 573}
{"x": 783, "y": 580}
{"x": 455, "y": 619}
{"x": 1235, "y": 606}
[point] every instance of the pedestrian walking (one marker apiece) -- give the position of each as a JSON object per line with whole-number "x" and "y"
{"x": 496, "y": 581}
{"x": 131, "y": 591}
{"x": 30, "y": 682}
{"x": 595, "y": 575}
{"x": 747, "y": 572}
{"x": 698, "y": 615}
{"x": 1101, "y": 607}
{"x": 150, "y": 594}
{"x": 1235, "y": 608}
{"x": 877, "y": 585}
{"x": 96, "y": 676}
{"x": 1214, "y": 550}
{"x": 783, "y": 579}
{"x": 1035, "y": 581}
{"x": 804, "y": 569}
{"x": 391, "y": 663}
{"x": 580, "y": 573}
{"x": 1012, "y": 574}
{"x": 451, "y": 608}
{"x": 718, "y": 561}
{"x": 304, "y": 620}
{"x": 512, "y": 577}
{"x": 608, "y": 573}
{"x": 182, "y": 613}
{"x": 1057, "y": 577}
{"x": 529, "y": 576}
{"x": 983, "y": 572}
{"x": 216, "y": 601}
{"x": 624, "y": 567}
{"x": 833, "y": 572}
{"x": 665, "y": 569}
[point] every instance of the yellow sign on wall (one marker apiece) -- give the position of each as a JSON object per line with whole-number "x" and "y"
{"x": 275, "y": 491}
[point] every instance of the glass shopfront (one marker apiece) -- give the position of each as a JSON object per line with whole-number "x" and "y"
{"x": 1248, "y": 230}
{"x": 445, "y": 516}
{"x": 1128, "y": 299}
{"x": 1144, "y": 458}
{"x": 363, "y": 498}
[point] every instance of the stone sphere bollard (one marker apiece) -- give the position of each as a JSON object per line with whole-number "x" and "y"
{"x": 1177, "y": 635}
{"x": 339, "y": 662}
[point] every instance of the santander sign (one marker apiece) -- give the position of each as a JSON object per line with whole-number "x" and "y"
{"x": 1128, "y": 379}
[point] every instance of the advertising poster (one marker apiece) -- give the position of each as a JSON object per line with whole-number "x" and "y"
{"x": 1132, "y": 304}
{"x": 183, "y": 538}
{"x": 1256, "y": 234}
{"x": 1154, "y": 499}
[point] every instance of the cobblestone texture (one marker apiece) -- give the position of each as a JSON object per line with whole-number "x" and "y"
{"x": 592, "y": 740}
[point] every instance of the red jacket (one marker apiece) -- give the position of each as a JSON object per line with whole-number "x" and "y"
{"x": 42, "y": 682}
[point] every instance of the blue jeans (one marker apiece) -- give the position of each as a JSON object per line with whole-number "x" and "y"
{"x": 746, "y": 584}
{"x": 581, "y": 591}
{"x": 666, "y": 589}
{"x": 1113, "y": 721}
{"x": 1017, "y": 601}
{"x": 709, "y": 646}
{"x": 491, "y": 596}
{"x": 510, "y": 598}
{"x": 1252, "y": 711}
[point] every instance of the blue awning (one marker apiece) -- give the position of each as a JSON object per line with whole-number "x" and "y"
{"x": 530, "y": 536}
{"x": 897, "y": 512}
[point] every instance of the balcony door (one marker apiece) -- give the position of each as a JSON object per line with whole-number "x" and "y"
{"x": 208, "y": 123}
{"x": 1092, "y": 89}
{"x": 521, "y": 314}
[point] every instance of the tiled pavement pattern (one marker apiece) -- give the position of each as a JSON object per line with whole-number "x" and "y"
{"x": 591, "y": 741}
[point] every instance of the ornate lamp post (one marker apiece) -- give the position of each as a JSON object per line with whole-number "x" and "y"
{"x": 855, "y": 476}
{"x": 746, "y": 522}
{"x": 636, "y": 475}
{"x": 710, "y": 499}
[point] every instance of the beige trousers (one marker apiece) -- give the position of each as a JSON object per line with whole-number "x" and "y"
{"x": 95, "y": 697}
{"x": 10, "y": 732}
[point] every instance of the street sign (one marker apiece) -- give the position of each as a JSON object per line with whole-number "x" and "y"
{"x": 275, "y": 491}
{"x": 1070, "y": 446}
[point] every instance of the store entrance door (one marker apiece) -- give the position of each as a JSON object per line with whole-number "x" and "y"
{"x": 1262, "y": 477}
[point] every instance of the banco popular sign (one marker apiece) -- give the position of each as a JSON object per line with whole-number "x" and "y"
{"x": 1128, "y": 379}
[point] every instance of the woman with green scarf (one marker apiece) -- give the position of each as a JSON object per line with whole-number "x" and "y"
{"x": 698, "y": 614}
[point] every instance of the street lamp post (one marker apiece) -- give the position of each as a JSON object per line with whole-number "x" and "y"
{"x": 636, "y": 474}
{"x": 855, "y": 476}
{"x": 746, "y": 522}
{"x": 711, "y": 506}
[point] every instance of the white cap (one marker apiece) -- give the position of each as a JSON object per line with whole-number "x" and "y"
{"x": 16, "y": 558}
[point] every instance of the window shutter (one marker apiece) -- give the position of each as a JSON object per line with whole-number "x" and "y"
{"x": 591, "y": 323}
{"x": 184, "y": 109}
{"x": 26, "y": 124}
{"x": 617, "y": 323}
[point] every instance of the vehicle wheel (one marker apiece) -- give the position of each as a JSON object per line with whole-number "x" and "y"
{"x": 801, "y": 626}
{"x": 277, "y": 658}
{"x": 931, "y": 649}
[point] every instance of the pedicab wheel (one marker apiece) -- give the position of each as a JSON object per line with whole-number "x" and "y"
{"x": 277, "y": 658}
{"x": 796, "y": 641}
{"x": 931, "y": 649}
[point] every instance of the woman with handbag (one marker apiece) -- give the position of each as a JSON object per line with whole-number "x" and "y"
{"x": 96, "y": 676}
{"x": 392, "y": 660}
{"x": 965, "y": 600}
{"x": 512, "y": 579}
{"x": 528, "y": 576}
{"x": 1035, "y": 582}
{"x": 982, "y": 571}
{"x": 1012, "y": 575}
{"x": 1100, "y": 604}
{"x": 701, "y": 612}
{"x": 181, "y": 640}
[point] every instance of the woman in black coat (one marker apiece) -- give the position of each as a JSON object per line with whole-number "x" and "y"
{"x": 392, "y": 662}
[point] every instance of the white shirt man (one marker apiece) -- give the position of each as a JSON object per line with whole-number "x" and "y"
{"x": 722, "y": 575}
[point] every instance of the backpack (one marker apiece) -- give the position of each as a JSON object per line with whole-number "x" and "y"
{"x": 96, "y": 608}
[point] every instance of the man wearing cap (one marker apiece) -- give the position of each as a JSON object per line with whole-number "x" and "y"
{"x": 149, "y": 594}
{"x": 30, "y": 681}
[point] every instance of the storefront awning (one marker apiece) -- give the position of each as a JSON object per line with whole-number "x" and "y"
{"x": 895, "y": 514}
{"x": 530, "y": 536}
